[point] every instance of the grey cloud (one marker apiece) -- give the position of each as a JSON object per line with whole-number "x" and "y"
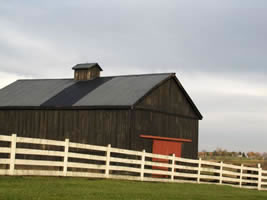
{"x": 235, "y": 122}
{"x": 230, "y": 103}
{"x": 212, "y": 36}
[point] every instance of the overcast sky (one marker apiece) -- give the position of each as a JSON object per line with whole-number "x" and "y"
{"x": 216, "y": 47}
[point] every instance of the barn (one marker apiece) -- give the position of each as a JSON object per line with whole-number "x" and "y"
{"x": 148, "y": 111}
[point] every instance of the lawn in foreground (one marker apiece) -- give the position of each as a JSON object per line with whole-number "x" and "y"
{"x": 47, "y": 188}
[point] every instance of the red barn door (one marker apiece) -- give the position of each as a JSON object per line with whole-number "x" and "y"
{"x": 167, "y": 147}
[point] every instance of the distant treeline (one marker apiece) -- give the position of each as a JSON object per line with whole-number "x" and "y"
{"x": 225, "y": 153}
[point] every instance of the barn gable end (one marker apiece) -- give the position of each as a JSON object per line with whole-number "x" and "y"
{"x": 169, "y": 97}
{"x": 166, "y": 111}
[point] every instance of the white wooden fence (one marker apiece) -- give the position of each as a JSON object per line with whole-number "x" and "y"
{"x": 83, "y": 160}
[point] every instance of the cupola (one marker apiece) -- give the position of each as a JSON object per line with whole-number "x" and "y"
{"x": 86, "y": 71}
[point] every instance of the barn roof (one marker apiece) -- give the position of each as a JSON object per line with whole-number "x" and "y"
{"x": 115, "y": 91}
{"x": 102, "y": 91}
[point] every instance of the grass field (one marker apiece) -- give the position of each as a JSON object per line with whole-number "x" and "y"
{"x": 39, "y": 188}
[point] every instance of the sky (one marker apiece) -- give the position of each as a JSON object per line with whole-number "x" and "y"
{"x": 216, "y": 48}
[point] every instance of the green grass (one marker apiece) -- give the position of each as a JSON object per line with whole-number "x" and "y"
{"x": 41, "y": 188}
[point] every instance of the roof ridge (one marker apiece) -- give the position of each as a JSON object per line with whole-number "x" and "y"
{"x": 45, "y": 79}
{"x": 130, "y": 75}
{"x": 151, "y": 74}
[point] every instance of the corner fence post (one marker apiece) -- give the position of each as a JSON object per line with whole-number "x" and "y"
{"x": 199, "y": 170}
{"x": 259, "y": 176}
{"x": 13, "y": 154}
{"x": 241, "y": 175}
{"x": 173, "y": 167}
{"x": 221, "y": 172}
{"x": 143, "y": 159}
{"x": 65, "y": 169}
{"x": 107, "y": 160}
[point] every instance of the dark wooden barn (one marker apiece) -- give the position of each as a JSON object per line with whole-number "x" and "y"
{"x": 151, "y": 111}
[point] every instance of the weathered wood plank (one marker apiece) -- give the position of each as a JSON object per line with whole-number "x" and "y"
{"x": 251, "y": 169}
{"x": 86, "y": 156}
{"x": 37, "y": 173}
{"x": 249, "y": 181}
{"x": 40, "y": 141}
{"x": 185, "y": 175}
{"x": 5, "y": 150}
{"x": 232, "y": 166}
{"x": 124, "y": 151}
{"x": 159, "y": 172}
{"x": 210, "y": 170}
{"x": 87, "y": 146}
{"x": 125, "y": 177}
{"x": 5, "y": 138}
{"x": 250, "y": 175}
{"x": 4, "y": 161}
{"x": 4, "y": 172}
{"x": 125, "y": 169}
{"x": 39, "y": 152}
{"x": 126, "y": 161}
{"x": 186, "y": 160}
{"x": 158, "y": 164}
{"x": 39, "y": 163}
{"x": 86, "y": 166}
{"x": 204, "y": 162}
{"x": 209, "y": 177}
{"x": 150, "y": 155}
{"x": 235, "y": 180}
{"x": 225, "y": 172}
{"x": 85, "y": 174}
{"x": 186, "y": 167}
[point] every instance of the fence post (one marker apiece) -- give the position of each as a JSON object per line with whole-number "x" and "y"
{"x": 143, "y": 164}
{"x": 173, "y": 167}
{"x": 241, "y": 175}
{"x": 13, "y": 154}
{"x": 65, "y": 169}
{"x": 107, "y": 161}
{"x": 221, "y": 172}
{"x": 260, "y": 176}
{"x": 199, "y": 170}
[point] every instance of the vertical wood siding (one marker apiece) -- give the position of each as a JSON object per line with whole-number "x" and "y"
{"x": 166, "y": 112}
{"x": 164, "y": 125}
{"x": 168, "y": 98}
{"x": 86, "y": 74}
{"x": 99, "y": 127}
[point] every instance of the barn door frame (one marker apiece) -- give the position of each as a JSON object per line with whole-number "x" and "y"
{"x": 158, "y": 138}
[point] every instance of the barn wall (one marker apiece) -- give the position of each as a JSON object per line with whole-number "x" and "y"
{"x": 164, "y": 125}
{"x": 97, "y": 127}
{"x": 168, "y": 97}
{"x": 167, "y": 112}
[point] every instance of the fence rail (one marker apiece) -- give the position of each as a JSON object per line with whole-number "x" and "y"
{"x": 20, "y": 156}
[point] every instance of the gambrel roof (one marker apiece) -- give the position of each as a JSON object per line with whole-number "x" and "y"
{"x": 102, "y": 92}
